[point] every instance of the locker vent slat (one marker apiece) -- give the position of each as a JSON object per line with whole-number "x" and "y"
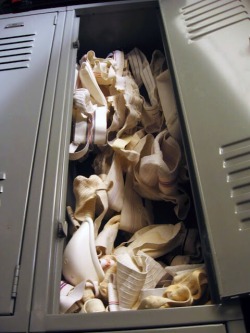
{"x": 15, "y": 51}
{"x": 205, "y": 17}
{"x": 236, "y": 163}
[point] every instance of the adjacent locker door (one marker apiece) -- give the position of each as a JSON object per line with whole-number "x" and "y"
{"x": 210, "y": 55}
{"x": 25, "y": 46}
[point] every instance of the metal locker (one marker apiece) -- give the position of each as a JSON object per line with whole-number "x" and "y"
{"x": 207, "y": 48}
{"x": 25, "y": 57}
{"x": 88, "y": 22}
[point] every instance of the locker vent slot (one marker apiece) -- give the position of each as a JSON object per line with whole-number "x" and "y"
{"x": 15, "y": 51}
{"x": 207, "y": 16}
{"x": 236, "y": 162}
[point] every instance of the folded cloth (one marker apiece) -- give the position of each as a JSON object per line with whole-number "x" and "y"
{"x": 130, "y": 281}
{"x": 70, "y": 295}
{"x": 91, "y": 198}
{"x": 136, "y": 213}
{"x": 105, "y": 240}
{"x": 127, "y": 108}
{"x": 128, "y": 148}
{"x": 155, "y": 271}
{"x": 116, "y": 192}
{"x": 103, "y": 286}
{"x": 195, "y": 280}
{"x": 156, "y": 174}
{"x": 155, "y": 240}
{"x": 172, "y": 271}
{"x": 187, "y": 288}
{"x": 145, "y": 292}
{"x": 82, "y": 104}
{"x": 89, "y": 82}
{"x": 93, "y": 305}
{"x": 181, "y": 297}
{"x": 89, "y": 116}
{"x": 74, "y": 224}
{"x": 152, "y": 117}
{"x": 158, "y": 63}
{"x": 91, "y": 290}
{"x": 91, "y": 105}
{"x": 103, "y": 68}
{"x": 114, "y": 161}
{"x": 167, "y": 99}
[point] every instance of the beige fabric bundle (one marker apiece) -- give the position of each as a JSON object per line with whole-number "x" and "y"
{"x": 186, "y": 289}
{"x": 167, "y": 99}
{"x": 91, "y": 198}
{"x": 104, "y": 283}
{"x": 105, "y": 240}
{"x": 154, "y": 240}
{"x": 130, "y": 281}
{"x": 152, "y": 117}
{"x": 156, "y": 174}
{"x": 139, "y": 160}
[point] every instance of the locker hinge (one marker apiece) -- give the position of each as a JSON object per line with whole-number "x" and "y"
{"x": 55, "y": 20}
{"x": 15, "y": 281}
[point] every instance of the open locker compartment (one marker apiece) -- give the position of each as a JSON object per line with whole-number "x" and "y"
{"x": 105, "y": 28}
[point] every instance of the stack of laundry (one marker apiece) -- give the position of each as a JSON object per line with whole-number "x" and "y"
{"x": 119, "y": 257}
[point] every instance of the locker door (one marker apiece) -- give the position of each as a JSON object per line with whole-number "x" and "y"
{"x": 25, "y": 47}
{"x": 210, "y": 57}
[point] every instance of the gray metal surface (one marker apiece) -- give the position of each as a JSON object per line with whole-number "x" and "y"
{"x": 45, "y": 315}
{"x": 236, "y": 326}
{"x": 50, "y": 246}
{"x": 19, "y": 321}
{"x": 25, "y": 47}
{"x": 210, "y": 53}
{"x": 136, "y": 320}
{"x": 190, "y": 329}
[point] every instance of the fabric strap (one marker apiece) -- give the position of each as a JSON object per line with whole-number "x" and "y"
{"x": 152, "y": 117}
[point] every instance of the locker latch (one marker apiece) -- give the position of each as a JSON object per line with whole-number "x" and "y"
{"x": 76, "y": 44}
{"x": 62, "y": 230}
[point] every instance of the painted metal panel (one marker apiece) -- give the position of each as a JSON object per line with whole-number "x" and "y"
{"x": 210, "y": 55}
{"x": 219, "y": 328}
{"x": 25, "y": 47}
